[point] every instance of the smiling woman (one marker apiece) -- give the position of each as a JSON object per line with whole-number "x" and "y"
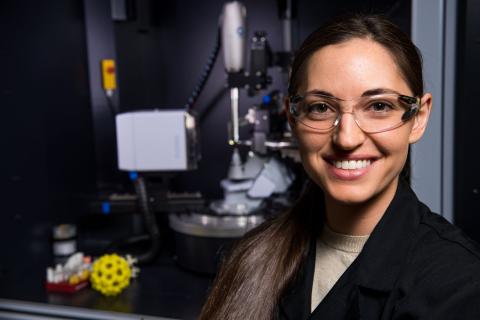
{"x": 357, "y": 70}
{"x": 358, "y": 243}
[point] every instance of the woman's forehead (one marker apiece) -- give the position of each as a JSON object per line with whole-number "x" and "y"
{"x": 350, "y": 68}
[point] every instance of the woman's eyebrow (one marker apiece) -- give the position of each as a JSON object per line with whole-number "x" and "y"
{"x": 321, "y": 92}
{"x": 376, "y": 91}
{"x": 370, "y": 92}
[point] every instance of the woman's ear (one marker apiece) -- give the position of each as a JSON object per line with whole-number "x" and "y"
{"x": 286, "y": 107}
{"x": 421, "y": 118}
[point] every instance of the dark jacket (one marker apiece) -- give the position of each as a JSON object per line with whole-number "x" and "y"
{"x": 415, "y": 265}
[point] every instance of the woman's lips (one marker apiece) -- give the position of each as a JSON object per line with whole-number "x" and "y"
{"x": 349, "y": 169}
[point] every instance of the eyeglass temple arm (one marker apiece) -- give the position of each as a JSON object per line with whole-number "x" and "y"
{"x": 414, "y": 104}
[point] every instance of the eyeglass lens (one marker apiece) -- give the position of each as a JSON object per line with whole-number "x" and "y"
{"x": 372, "y": 113}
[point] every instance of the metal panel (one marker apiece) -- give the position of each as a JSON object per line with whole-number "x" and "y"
{"x": 14, "y": 309}
{"x": 101, "y": 45}
{"x": 433, "y": 31}
{"x": 449, "y": 108}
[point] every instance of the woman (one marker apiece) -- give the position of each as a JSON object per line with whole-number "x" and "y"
{"x": 358, "y": 244}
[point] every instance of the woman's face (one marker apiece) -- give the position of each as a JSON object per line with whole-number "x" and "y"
{"x": 346, "y": 71}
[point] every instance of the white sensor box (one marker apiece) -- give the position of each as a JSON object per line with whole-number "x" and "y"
{"x": 156, "y": 140}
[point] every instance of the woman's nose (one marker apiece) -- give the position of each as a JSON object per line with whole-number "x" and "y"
{"x": 348, "y": 135}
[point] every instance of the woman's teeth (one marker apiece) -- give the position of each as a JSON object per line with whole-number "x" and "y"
{"x": 351, "y": 164}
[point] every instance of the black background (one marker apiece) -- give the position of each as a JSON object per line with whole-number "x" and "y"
{"x": 467, "y": 114}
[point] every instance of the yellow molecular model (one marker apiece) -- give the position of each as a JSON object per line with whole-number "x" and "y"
{"x": 111, "y": 273}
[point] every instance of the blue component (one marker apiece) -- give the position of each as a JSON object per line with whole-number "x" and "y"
{"x": 266, "y": 99}
{"x": 241, "y": 31}
{"x": 106, "y": 207}
{"x": 133, "y": 175}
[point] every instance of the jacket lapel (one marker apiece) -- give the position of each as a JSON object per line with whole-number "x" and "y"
{"x": 387, "y": 248}
{"x": 295, "y": 304}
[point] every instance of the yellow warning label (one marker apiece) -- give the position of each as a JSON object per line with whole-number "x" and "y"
{"x": 108, "y": 74}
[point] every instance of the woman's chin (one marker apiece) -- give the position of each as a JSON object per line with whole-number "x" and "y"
{"x": 349, "y": 194}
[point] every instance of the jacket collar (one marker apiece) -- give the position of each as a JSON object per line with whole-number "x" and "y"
{"x": 376, "y": 268}
{"x": 381, "y": 259}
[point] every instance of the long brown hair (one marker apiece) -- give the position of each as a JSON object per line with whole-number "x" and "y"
{"x": 265, "y": 262}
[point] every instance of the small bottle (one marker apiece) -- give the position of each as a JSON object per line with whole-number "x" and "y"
{"x": 64, "y": 241}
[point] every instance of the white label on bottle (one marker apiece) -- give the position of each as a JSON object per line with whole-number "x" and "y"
{"x": 64, "y": 248}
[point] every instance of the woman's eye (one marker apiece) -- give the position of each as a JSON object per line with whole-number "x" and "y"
{"x": 380, "y": 107}
{"x": 318, "y": 108}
